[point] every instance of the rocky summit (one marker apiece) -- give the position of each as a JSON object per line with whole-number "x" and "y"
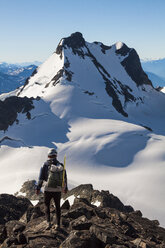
{"x": 90, "y": 219}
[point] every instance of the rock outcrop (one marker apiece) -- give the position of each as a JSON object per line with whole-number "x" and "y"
{"x": 28, "y": 190}
{"x": 11, "y": 106}
{"x": 94, "y": 219}
{"x": 134, "y": 69}
{"x": 12, "y": 208}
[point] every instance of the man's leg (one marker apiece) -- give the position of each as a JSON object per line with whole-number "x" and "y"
{"x": 57, "y": 198}
{"x": 47, "y": 199}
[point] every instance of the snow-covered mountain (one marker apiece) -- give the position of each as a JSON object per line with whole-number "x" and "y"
{"x": 95, "y": 104}
{"x": 13, "y": 76}
{"x": 24, "y": 64}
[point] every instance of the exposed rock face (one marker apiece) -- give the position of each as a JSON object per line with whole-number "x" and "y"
{"x": 104, "y": 48}
{"x": 134, "y": 69}
{"x": 133, "y": 66}
{"x": 12, "y": 208}
{"x": 75, "y": 42}
{"x": 110, "y": 88}
{"x": 124, "y": 50}
{"x": 10, "y": 107}
{"x": 110, "y": 225}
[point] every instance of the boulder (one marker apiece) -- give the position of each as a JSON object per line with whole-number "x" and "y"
{"x": 109, "y": 200}
{"x": 12, "y": 208}
{"x": 14, "y": 227}
{"x": 65, "y": 205}
{"x": 82, "y": 239}
{"x": 82, "y": 191}
{"x": 81, "y": 223}
{"x": 106, "y": 236}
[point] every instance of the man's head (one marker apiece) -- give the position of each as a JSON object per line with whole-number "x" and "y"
{"x": 52, "y": 153}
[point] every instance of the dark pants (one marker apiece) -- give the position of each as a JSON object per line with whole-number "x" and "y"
{"x": 56, "y": 197}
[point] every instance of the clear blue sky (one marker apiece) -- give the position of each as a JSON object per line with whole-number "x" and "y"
{"x": 31, "y": 29}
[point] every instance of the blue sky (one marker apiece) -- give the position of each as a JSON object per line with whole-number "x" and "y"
{"x": 31, "y": 29}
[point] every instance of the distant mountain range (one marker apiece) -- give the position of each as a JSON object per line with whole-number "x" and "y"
{"x": 13, "y": 76}
{"x": 155, "y": 66}
{"x": 156, "y": 80}
{"x": 155, "y": 70}
{"x": 37, "y": 63}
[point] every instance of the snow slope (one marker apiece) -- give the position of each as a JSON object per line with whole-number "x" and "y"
{"x": 163, "y": 90}
{"x": 114, "y": 141}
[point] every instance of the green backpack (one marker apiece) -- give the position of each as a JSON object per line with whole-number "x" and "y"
{"x": 55, "y": 176}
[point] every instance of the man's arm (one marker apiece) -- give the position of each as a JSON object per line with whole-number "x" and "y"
{"x": 42, "y": 177}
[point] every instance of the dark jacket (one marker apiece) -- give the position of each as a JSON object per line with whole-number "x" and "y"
{"x": 44, "y": 171}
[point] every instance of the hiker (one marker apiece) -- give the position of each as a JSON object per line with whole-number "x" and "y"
{"x": 56, "y": 182}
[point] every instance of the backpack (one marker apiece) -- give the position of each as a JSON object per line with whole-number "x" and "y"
{"x": 55, "y": 176}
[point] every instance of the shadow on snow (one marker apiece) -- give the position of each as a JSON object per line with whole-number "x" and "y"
{"x": 121, "y": 152}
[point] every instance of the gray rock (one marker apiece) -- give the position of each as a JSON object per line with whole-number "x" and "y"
{"x": 84, "y": 225}
{"x": 11, "y": 106}
{"x": 12, "y": 208}
{"x": 3, "y": 233}
{"x": 29, "y": 188}
{"x": 81, "y": 223}
{"x": 106, "y": 236}
{"x": 83, "y": 239}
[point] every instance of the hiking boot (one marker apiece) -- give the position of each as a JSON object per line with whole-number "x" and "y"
{"x": 48, "y": 226}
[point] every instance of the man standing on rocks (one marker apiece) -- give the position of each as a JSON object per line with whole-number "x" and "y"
{"x": 56, "y": 182}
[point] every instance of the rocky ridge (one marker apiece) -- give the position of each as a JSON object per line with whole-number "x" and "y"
{"x": 90, "y": 218}
{"x": 11, "y": 106}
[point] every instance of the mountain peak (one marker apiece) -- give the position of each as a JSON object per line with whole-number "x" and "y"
{"x": 122, "y": 48}
{"x": 119, "y": 45}
{"x": 76, "y": 60}
{"x": 75, "y": 40}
